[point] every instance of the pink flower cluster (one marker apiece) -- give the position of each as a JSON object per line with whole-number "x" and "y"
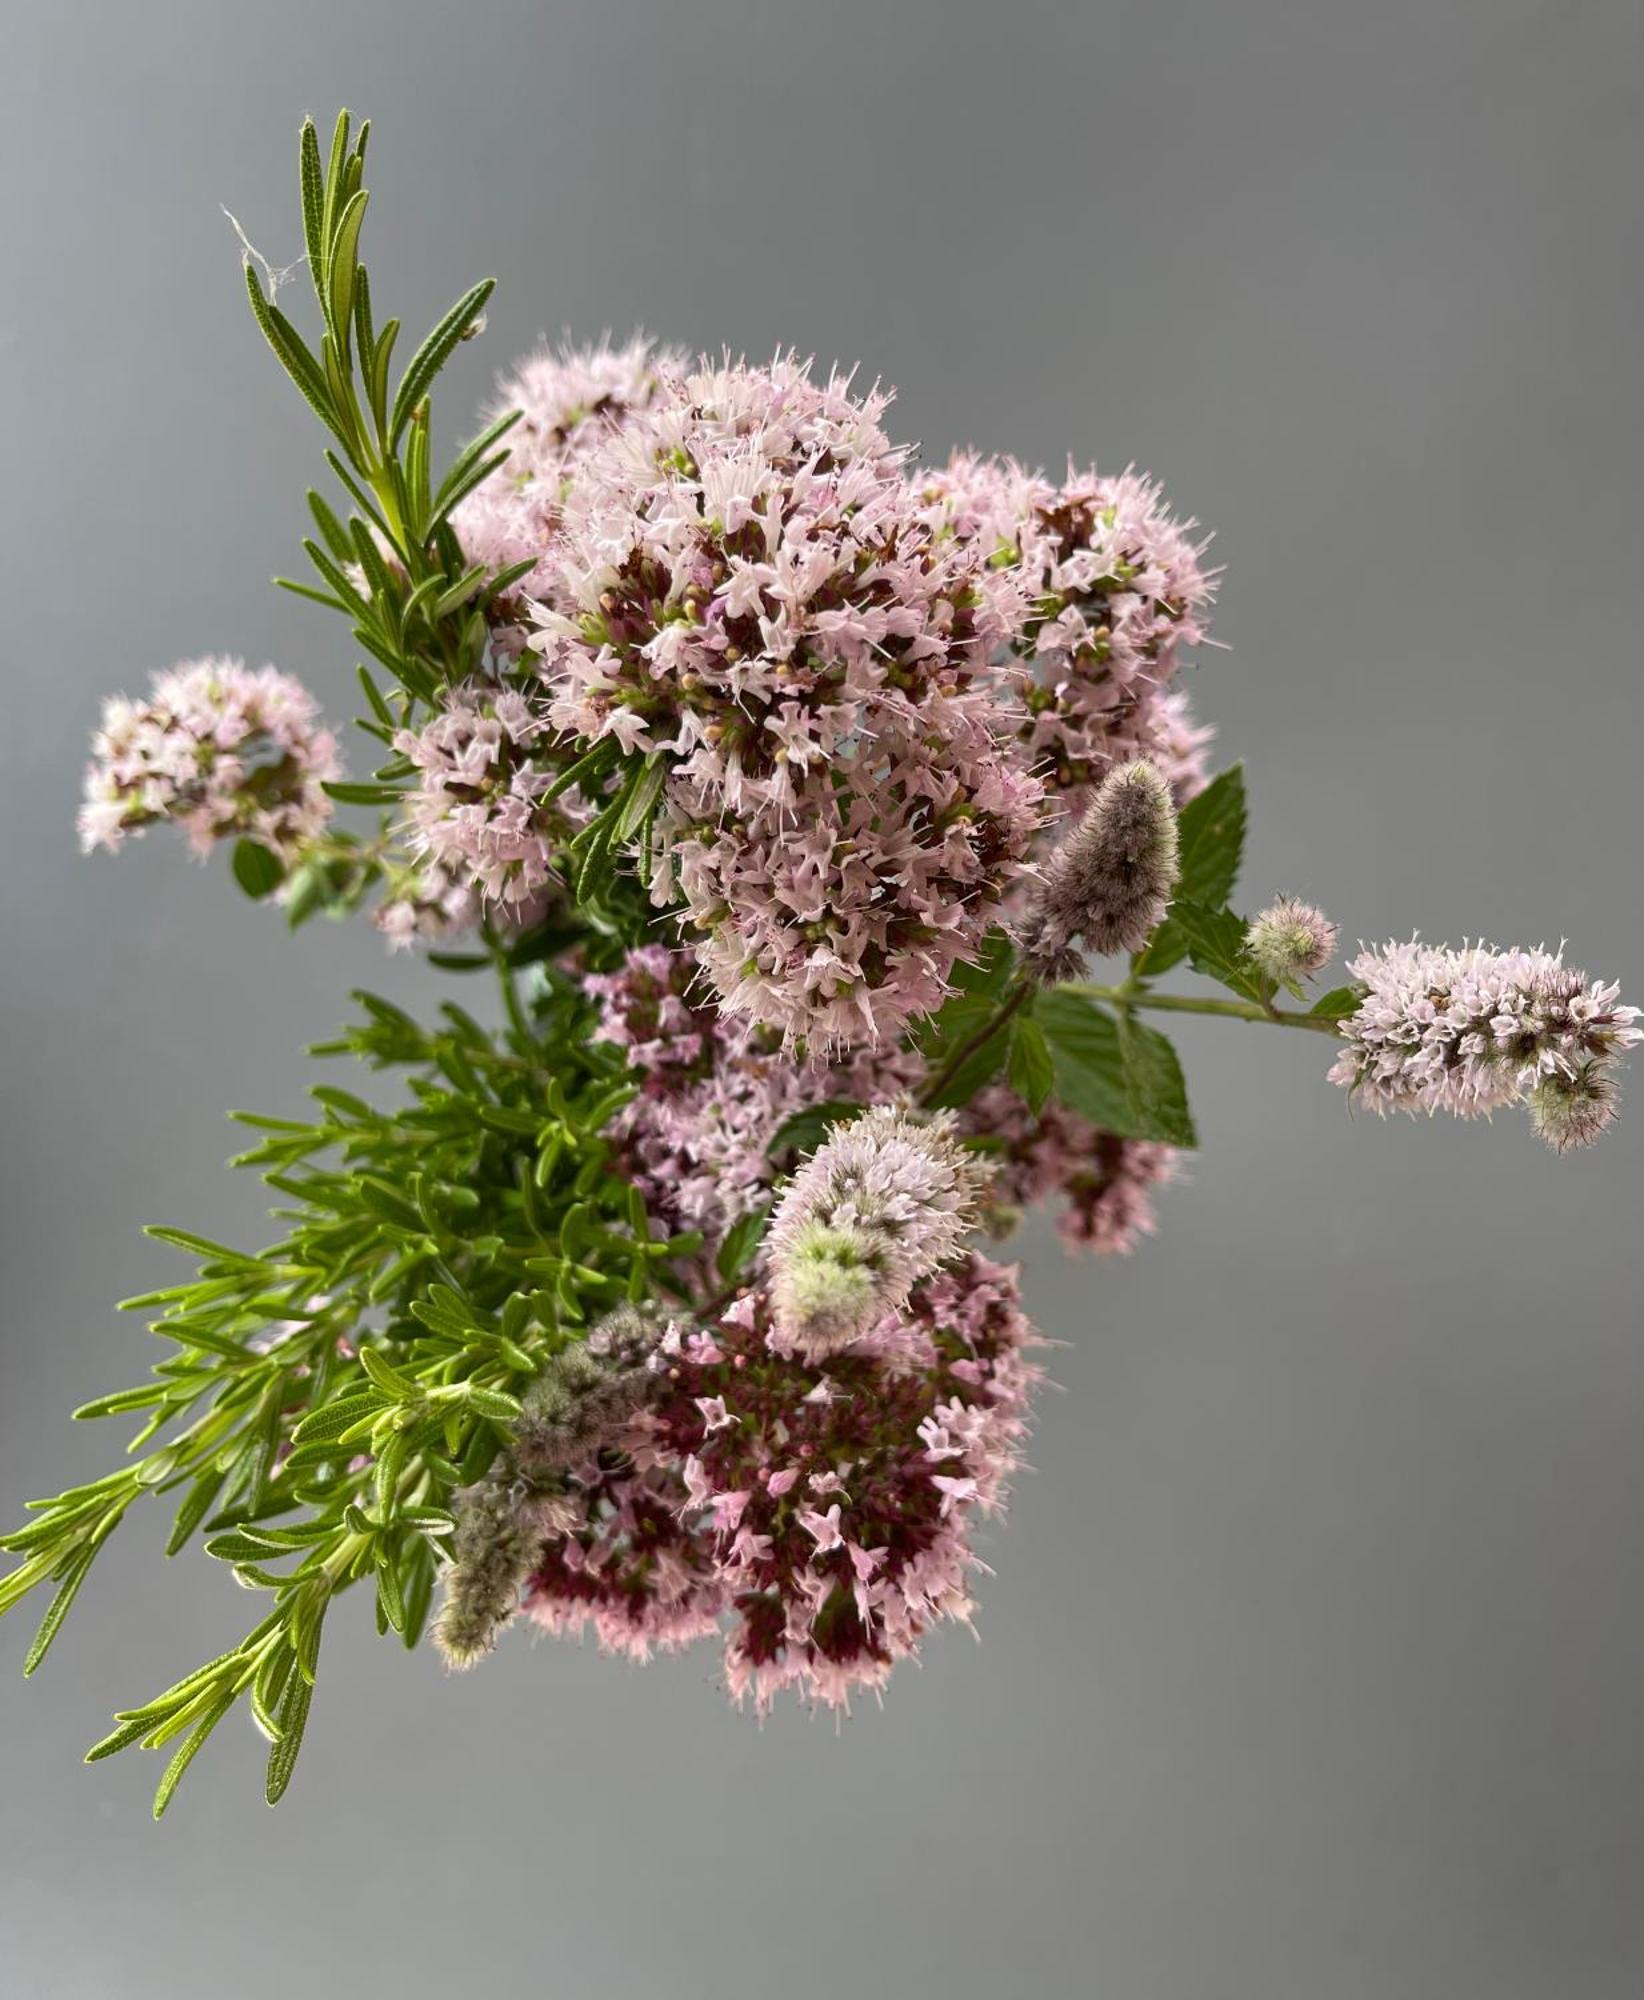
{"x": 219, "y": 749}
{"x": 822, "y": 1510}
{"x": 1102, "y": 591}
{"x": 746, "y": 584}
{"x": 698, "y": 1137}
{"x": 478, "y": 816}
{"x": 1104, "y": 1183}
{"x": 1469, "y": 1031}
{"x": 570, "y": 400}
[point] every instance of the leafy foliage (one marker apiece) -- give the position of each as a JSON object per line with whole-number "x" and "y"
{"x": 321, "y": 1403}
{"x": 1211, "y": 829}
{"x": 326, "y": 1397}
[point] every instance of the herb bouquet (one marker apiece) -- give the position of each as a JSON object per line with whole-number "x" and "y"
{"x": 785, "y": 788}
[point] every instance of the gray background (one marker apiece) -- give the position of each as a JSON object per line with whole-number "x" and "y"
{"x": 1312, "y": 1662}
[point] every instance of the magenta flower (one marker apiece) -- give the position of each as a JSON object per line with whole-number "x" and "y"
{"x": 838, "y": 1496}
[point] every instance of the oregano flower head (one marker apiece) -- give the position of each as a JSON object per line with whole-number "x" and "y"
{"x": 219, "y": 749}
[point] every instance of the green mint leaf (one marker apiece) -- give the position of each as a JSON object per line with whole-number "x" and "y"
{"x": 1087, "y": 1068}
{"x": 1031, "y": 1068}
{"x": 960, "y": 1020}
{"x": 1211, "y": 829}
{"x": 1215, "y": 946}
{"x": 1154, "y": 1085}
{"x": 1337, "y": 1004}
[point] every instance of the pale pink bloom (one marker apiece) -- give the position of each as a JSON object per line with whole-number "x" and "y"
{"x": 746, "y": 583}
{"x": 221, "y": 750}
{"x": 570, "y": 400}
{"x": 477, "y": 814}
{"x": 1105, "y": 1182}
{"x": 1104, "y": 593}
{"x": 1471, "y": 1030}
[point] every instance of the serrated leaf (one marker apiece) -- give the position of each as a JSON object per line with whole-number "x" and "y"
{"x": 1215, "y": 946}
{"x": 1337, "y": 1004}
{"x": 1154, "y": 1086}
{"x": 1088, "y": 1073}
{"x": 957, "y": 1036}
{"x": 1031, "y": 1068}
{"x": 1211, "y": 829}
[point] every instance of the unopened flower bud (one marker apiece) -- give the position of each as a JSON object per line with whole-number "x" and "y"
{"x": 1291, "y": 940}
{"x": 1110, "y": 881}
{"x": 1569, "y": 1111}
{"x": 585, "y": 1395}
{"x": 496, "y": 1543}
{"x": 882, "y": 1203}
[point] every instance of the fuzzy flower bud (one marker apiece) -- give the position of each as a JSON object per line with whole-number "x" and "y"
{"x": 1291, "y": 940}
{"x": 882, "y": 1203}
{"x": 497, "y": 1539}
{"x": 1467, "y": 1031}
{"x": 585, "y": 1396}
{"x": 1574, "y": 1110}
{"x": 1110, "y": 881}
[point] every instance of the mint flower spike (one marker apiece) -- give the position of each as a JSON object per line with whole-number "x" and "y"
{"x": 1110, "y": 882}
{"x": 1291, "y": 940}
{"x": 583, "y": 1401}
{"x": 496, "y": 1542}
{"x": 885, "y": 1201}
{"x": 1471, "y": 1030}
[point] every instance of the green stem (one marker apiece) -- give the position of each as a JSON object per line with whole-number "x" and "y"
{"x": 1022, "y": 991}
{"x": 517, "y": 1017}
{"x": 1188, "y": 1003}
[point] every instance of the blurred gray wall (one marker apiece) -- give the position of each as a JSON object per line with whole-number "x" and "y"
{"x": 1312, "y": 1663}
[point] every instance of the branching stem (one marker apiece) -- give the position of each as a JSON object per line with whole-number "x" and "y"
{"x": 1191, "y": 1003}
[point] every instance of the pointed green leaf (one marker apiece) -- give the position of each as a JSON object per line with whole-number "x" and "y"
{"x": 1154, "y": 1086}
{"x": 1031, "y": 1068}
{"x": 257, "y": 869}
